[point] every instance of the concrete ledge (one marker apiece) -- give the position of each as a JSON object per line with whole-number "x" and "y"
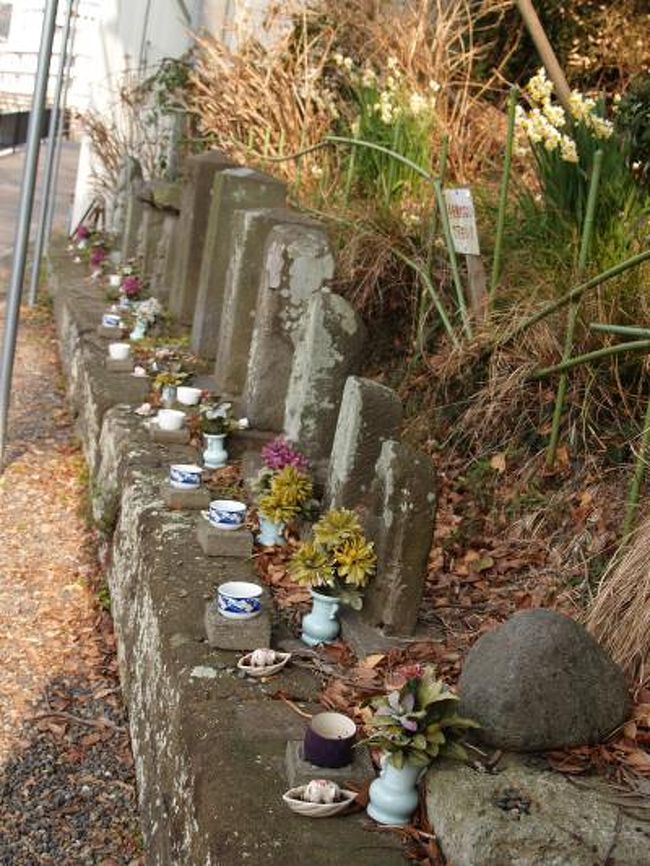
{"x": 209, "y": 746}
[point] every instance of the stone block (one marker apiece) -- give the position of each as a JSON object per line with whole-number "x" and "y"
{"x": 250, "y": 230}
{"x": 329, "y": 348}
{"x": 115, "y": 365}
{"x": 185, "y": 500}
{"x": 114, "y": 334}
{"x": 133, "y": 218}
{"x": 166, "y": 195}
{"x": 164, "y": 264}
{"x": 130, "y": 175}
{"x": 151, "y": 229}
{"x": 300, "y": 772}
{"x": 370, "y": 414}
{"x": 233, "y": 189}
{"x": 224, "y": 542}
{"x": 401, "y": 525}
{"x": 298, "y": 263}
{"x": 169, "y": 437}
{"x": 192, "y": 228}
{"x": 540, "y": 681}
{"x": 237, "y": 634}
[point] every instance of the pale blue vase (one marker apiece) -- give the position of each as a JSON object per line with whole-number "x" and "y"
{"x": 139, "y": 331}
{"x": 321, "y": 624}
{"x": 215, "y": 455}
{"x": 271, "y": 532}
{"x": 393, "y": 796}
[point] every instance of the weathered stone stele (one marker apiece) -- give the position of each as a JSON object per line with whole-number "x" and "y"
{"x": 193, "y": 225}
{"x": 250, "y": 230}
{"x": 162, "y": 275}
{"x": 132, "y": 221}
{"x": 233, "y": 189}
{"x": 130, "y": 173}
{"x": 151, "y": 229}
{"x": 401, "y": 525}
{"x": 541, "y": 681}
{"x": 298, "y": 263}
{"x": 329, "y": 347}
{"x": 370, "y": 414}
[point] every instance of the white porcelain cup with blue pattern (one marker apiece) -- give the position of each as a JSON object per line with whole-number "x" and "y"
{"x": 227, "y": 513}
{"x": 185, "y": 476}
{"x": 111, "y": 320}
{"x": 239, "y": 599}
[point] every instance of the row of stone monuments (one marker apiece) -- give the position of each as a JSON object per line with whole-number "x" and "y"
{"x": 251, "y": 277}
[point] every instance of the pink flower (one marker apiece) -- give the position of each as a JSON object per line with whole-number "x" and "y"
{"x": 97, "y": 256}
{"x": 279, "y": 453}
{"x": 82, "y": 233}
{"x": 131, "y": 286}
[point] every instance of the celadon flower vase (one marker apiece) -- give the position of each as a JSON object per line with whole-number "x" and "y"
{"x": 215, "y": 455}
{"x": 271, "y": 532}
{"x": 394, "y": 794}
{"x": 321, "y": 624}
{"x": 139, "y": 331}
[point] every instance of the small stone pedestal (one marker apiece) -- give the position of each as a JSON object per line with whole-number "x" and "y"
{"x": 169, "y": 437}
{"x": 224, "y": 542}
{"x": 115, "y": 334}
{"x": 300, "y": 772}
{"x": 119, "y": 365}
{"x": 185, "y": 500}
{"x": 238, "y": 634}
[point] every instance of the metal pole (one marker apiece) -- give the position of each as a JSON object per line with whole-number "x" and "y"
{"x": 48, "y": 176}
{"x": 12, "y": 310}
{"x": 51, "y": 204}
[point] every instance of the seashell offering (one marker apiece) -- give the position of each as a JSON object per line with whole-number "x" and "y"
{"x": 262, "y": 658}
{"x": 268, "y": 668}
{"x": 321, "y": 791}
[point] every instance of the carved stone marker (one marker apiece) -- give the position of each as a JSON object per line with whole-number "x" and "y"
{"x": 193, "y": 225}
{"x": 233, "y": 189}
{"x": 298, "y": 263}
{"x": 370, "y": 414}
{"x": 401, "y": 526}
{"x": 250, "y": 231}
{"x": 329, "y": 348}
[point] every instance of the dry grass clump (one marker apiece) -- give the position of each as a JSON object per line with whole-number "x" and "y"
{"x": 620, "y": 615}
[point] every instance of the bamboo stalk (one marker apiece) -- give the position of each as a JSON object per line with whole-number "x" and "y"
{"x": 587, "y": 231}
{"x": 545, "y": 51}
{"x": 453, "y": 262}
{"x": 606, "y": 352}
{"x": 632, "y": 501}
{"x": 503, "y": 195}
{"x": 423, "y": 273}
{"x": 577, "y": 292}
{"x": 622, "y": 330}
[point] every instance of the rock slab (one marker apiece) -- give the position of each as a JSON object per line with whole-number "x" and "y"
{"x": 540, "y": 681}
{"x": 238, "y": 634}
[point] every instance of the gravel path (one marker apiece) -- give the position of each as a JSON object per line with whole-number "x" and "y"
{"x": 67, "y": 790}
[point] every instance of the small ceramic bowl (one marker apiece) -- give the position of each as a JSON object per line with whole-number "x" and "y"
{"x": 119, "y": 351}
{"x": 185, "y": 476}
{"x": 239, "y": 599}
{"x": 329, "y": 739}
{"x": 188, "y": 396}
{"x": 227, "y": 513}
{"x": 245, "y": 664}
{"x": 114, "y": 281}
{"x": 170, "y": 419}
{"x": 293, "y": 799}
{"x": 111, "y": 320}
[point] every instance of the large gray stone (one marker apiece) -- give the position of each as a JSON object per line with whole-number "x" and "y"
{"x": 193, "y": 225}
{"x": 401, "y": 524}
{"x": 164, "y": 264}
{"x": 560, "y": 824}
{"x": 370, "y": 414}
{"x": 329, "y": 348}
{"x": 233, "y": 189}
{"x": 541, "y": 681}
{"x": 250, "y": 230}
{"x": 130, "y": 173}
{"x": 151, "y": 229}
{"x": 132, "y": 220}
{"x": 298, "y": 263}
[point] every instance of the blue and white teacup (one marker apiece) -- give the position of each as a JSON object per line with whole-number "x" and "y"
{"x": 239, "y": 599}
{"x": 227, "y": 513}
{"x": 185, "y": 476}
{"x": 111, "y": 320}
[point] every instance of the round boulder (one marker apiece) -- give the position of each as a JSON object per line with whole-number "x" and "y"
{"x": 540, "y": 681}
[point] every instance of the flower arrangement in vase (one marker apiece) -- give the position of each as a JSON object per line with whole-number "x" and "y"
{"x": 216, "y": 422}
{"x": 413, "y": 725}
{"x": 282, "y": 489}
{"x": 336, "y": 564}
{"x": 166, "y": 382}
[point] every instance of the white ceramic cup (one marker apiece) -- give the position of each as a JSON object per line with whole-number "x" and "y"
{"x": 119, "y": 351}
{"x": 170, "y": 419}
{"x": 188, "y": 396}
{"x": 114, "y": 281}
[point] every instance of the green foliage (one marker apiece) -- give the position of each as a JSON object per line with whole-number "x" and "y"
{"x": 419, "y": 722}
{"x": 633, "y": 124}
{"x": 339, "y": 560}
{"x": 289, "y": 492}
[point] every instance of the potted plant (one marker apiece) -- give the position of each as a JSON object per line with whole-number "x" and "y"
{"x": 336, "y": 565}
{"x": 284, "y": 496}
{"x": 413, "y": 725}
{"x": 216, "y": 423}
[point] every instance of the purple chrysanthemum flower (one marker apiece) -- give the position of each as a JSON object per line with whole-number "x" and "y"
{"x": 279, "y": 453}
{"x": 82, "y": 233}
{"x": 131, "y": 286}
